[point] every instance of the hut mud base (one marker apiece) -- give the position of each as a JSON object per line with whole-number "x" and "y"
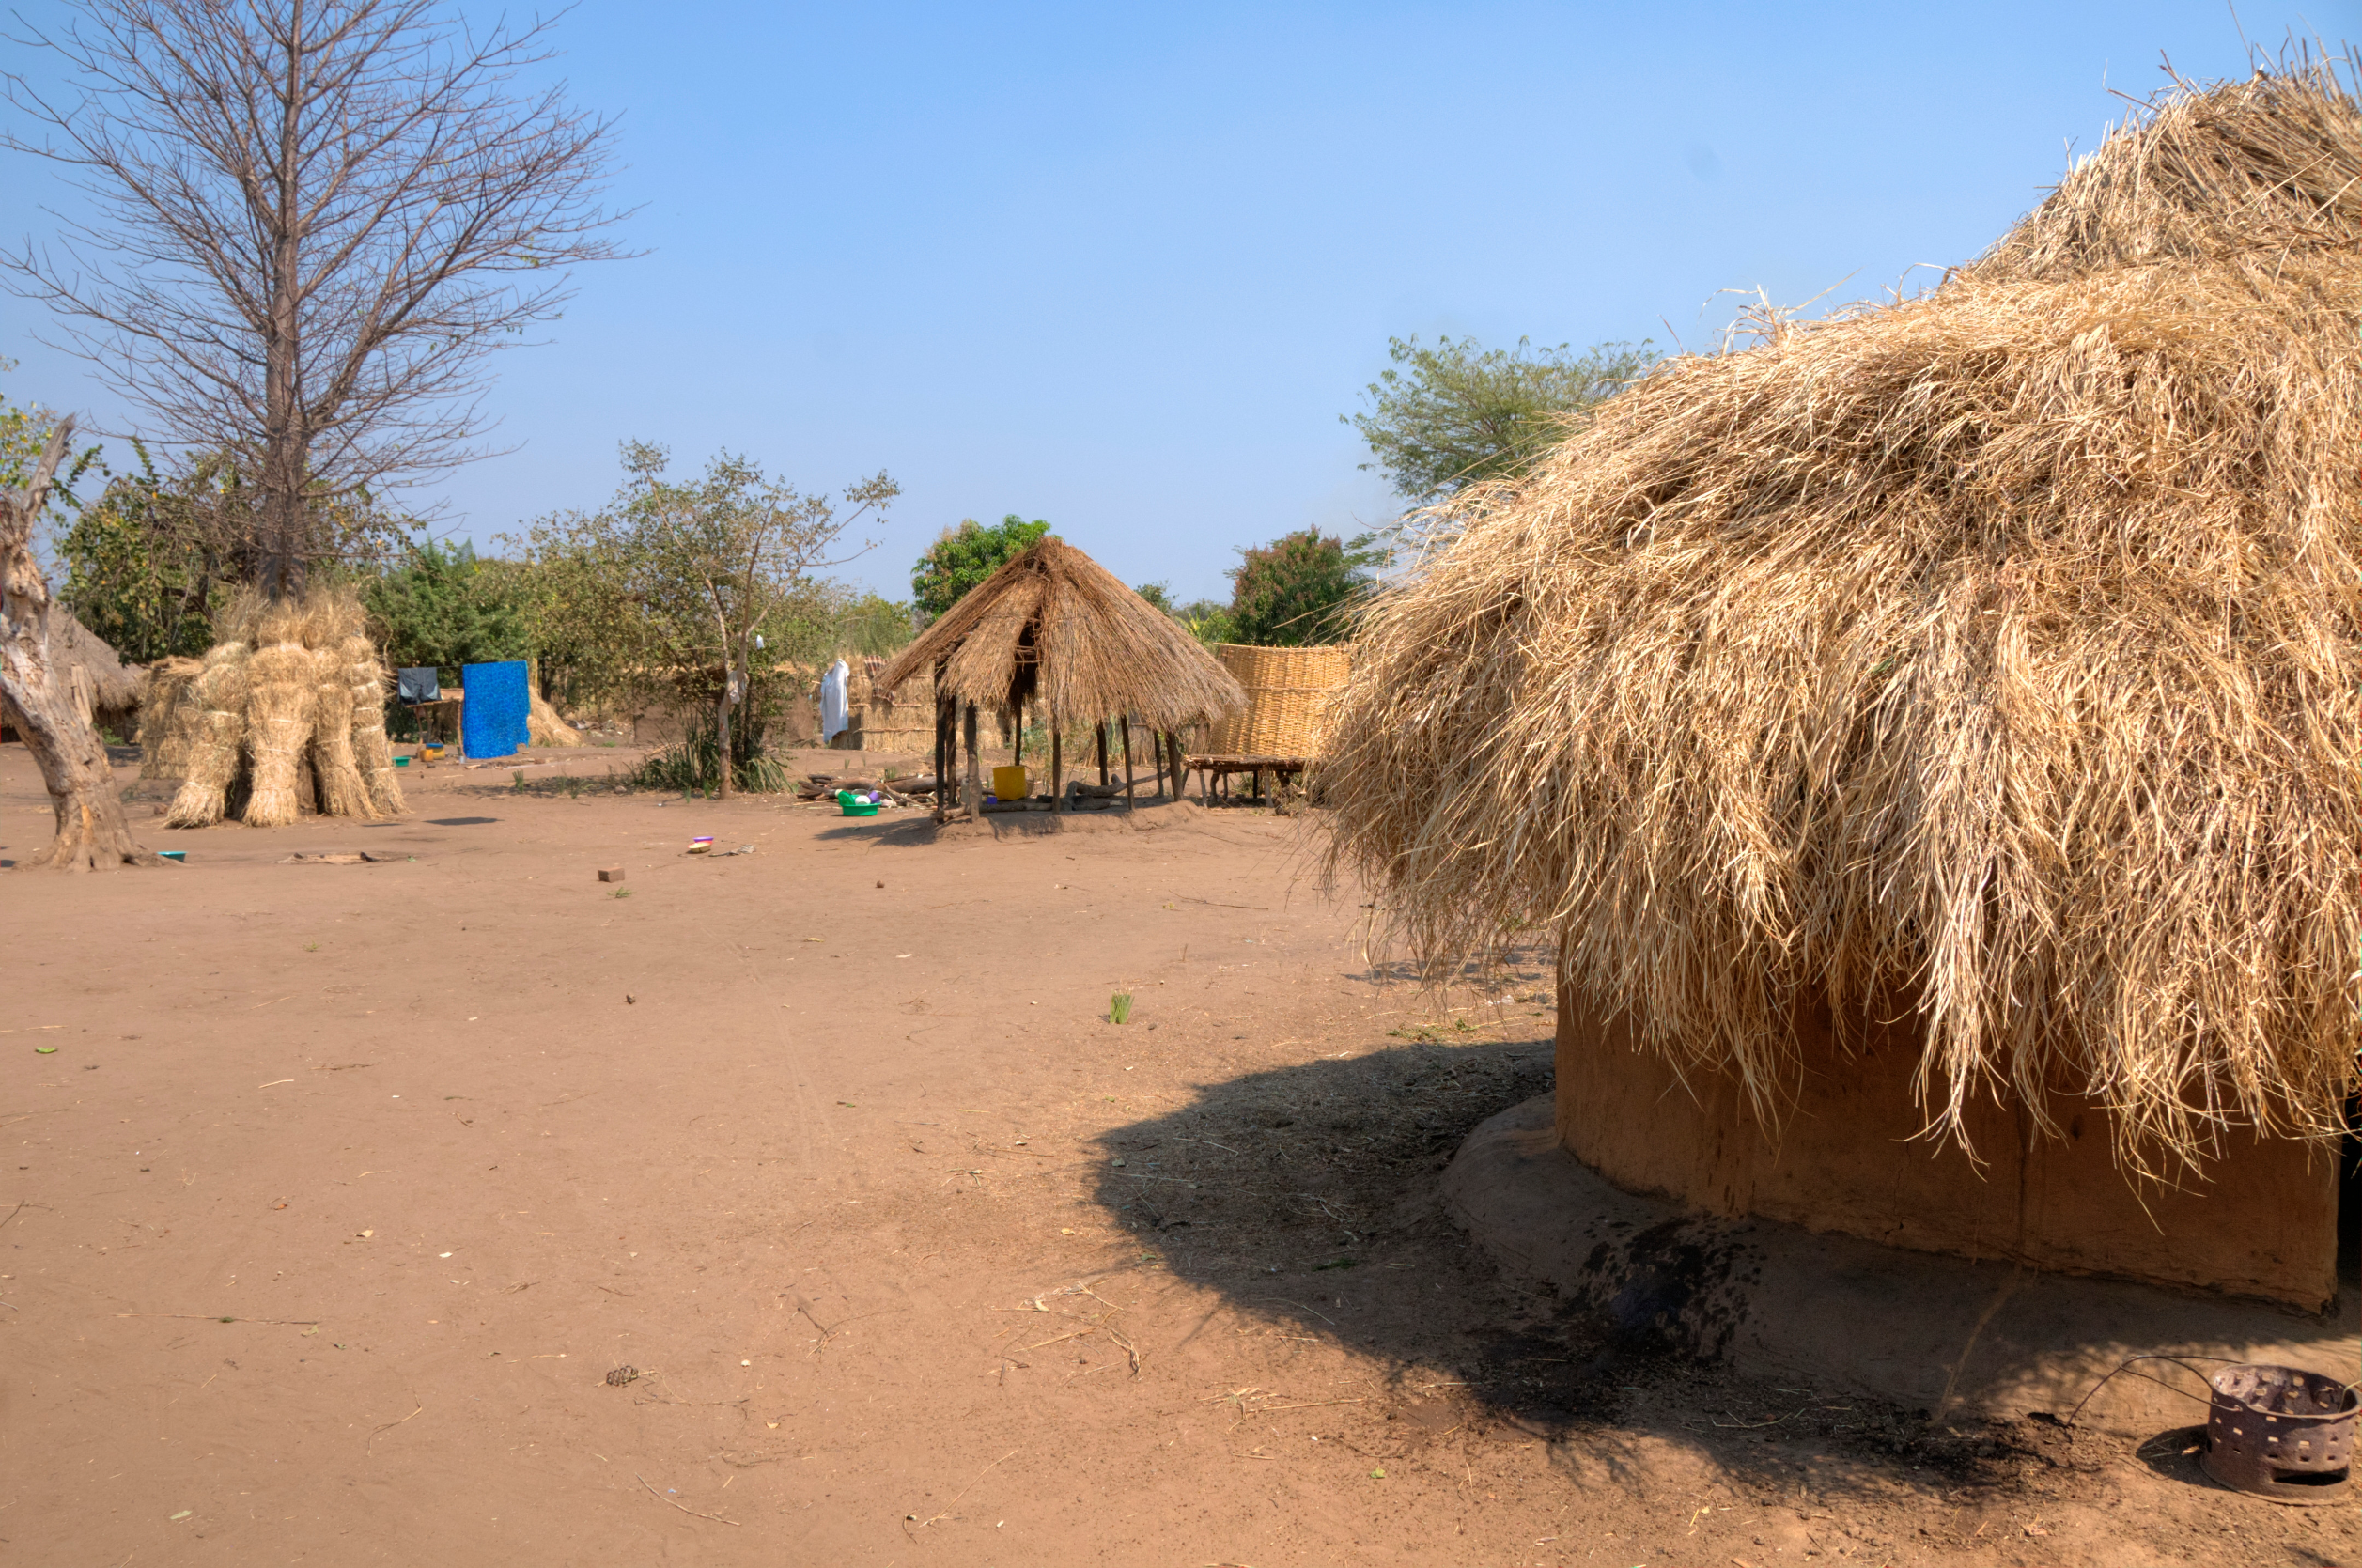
{"x": 1848, "y": 1156}
{"x": 1838, "y": 1314}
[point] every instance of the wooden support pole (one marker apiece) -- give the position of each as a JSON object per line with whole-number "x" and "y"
{"x": 1057, "y": 770}
{"x": 1099, "y": 732}
{"x": 942, "y": 757}
{"x": 1017, "y": 755}
{"x": 972, "y": 795}
{"x": 1127, "y": 722}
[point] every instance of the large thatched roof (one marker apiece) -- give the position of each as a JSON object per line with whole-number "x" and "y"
{"x": 1996, "y": 654}
{"x": 1056, "y": 628}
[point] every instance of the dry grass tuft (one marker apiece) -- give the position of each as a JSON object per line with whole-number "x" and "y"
{"x": 1996, "y": 651}
{"x": 2271, "y": 163}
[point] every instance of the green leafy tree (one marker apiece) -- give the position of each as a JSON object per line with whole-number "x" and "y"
{"x": 964, "y": 556}
{"x": 444, "y": 607}
{"x": 699, "y": 578}
{"x": 25, "y": 429}
{"x": 1208, "y": 620}
{"x": 1300, "y": 590}
{"x": 144, "y": 565}
{"x": 1449, "y": 414}
{"x": 583, "y": 630}
{"x": 872, "y": 624}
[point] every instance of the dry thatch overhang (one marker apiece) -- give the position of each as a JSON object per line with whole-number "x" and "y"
{"x": 1990, "y": 660}
{"x": 108, "y": 691}
{"x": 1056, "y": 633}
{"x": 113, "y": 690}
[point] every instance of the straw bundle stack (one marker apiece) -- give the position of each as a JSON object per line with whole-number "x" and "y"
{"x": 292, "y": 705}
{"x": 364, "y": 679}
{"x": 1995, "y": 656}
{"x": 170, "y": 717}
{"x": 214, "y": 744}
{"x": 281, "y": 703}
{"x": 343, "y": 792}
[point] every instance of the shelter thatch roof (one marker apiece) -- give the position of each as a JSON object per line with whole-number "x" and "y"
{"x": 114, "y": 690}
{"x": 92, "y": 672}
{"x": 1057, "y": 629}
{"x": 1996, "y": 654}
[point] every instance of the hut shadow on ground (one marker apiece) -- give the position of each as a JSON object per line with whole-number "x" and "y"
{"x": 1308, "y": 1197}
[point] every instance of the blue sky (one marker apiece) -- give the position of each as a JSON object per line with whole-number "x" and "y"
{"x": 1122, "y": 267}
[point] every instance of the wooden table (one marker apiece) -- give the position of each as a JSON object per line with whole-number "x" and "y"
{"x": 1218, "y": 770}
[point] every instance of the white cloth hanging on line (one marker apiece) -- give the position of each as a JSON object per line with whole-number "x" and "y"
{"x": 833, "y": 719}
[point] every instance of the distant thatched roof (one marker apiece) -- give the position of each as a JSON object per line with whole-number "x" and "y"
{"x": 90, "y": 669}
{"x": 114, "y": 692}
{"x": 1994, "y": 654}
{"x": 1056, "y": 628}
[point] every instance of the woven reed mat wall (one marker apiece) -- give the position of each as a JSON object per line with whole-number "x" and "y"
{"x": 1289, "y": 693}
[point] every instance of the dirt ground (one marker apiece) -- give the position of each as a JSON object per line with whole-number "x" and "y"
{"x": 803, "y": 1207}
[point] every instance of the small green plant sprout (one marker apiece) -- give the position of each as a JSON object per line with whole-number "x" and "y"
{"x": 311, "y": 947}
{"x": 520, "y": 777}
{"x": 1119, "y": 1007}
{"x": 620, "y": 892}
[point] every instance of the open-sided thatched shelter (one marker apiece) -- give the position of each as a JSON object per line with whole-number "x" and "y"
{"x": 1933, "y": 735}
{"x": 1055, "y": 632}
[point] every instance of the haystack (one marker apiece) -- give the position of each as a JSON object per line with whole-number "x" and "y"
{"x": 286, "y": 716}
{"x": 1055, "y": 631}
{"x": 544, "y": 723}
{"x": 1933, "y": 735}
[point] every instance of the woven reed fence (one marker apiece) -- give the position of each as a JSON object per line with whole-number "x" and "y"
{"x": 1289, "y": 694}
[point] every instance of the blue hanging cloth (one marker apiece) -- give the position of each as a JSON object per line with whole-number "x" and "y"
{"x": 493, "y": 713}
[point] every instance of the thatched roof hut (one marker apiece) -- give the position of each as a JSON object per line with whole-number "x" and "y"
{"x": 1055, "y": 632}
{"x": 1955, "y": 705}
{"x": 107, "y": 692}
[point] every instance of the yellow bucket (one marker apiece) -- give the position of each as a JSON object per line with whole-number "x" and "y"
{"x": 1009, "y": 784}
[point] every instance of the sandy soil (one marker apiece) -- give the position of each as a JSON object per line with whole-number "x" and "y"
{"x": 345, "y": 1192}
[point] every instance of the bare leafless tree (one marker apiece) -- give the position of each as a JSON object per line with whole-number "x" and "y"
{"x": 311, "y": 224}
